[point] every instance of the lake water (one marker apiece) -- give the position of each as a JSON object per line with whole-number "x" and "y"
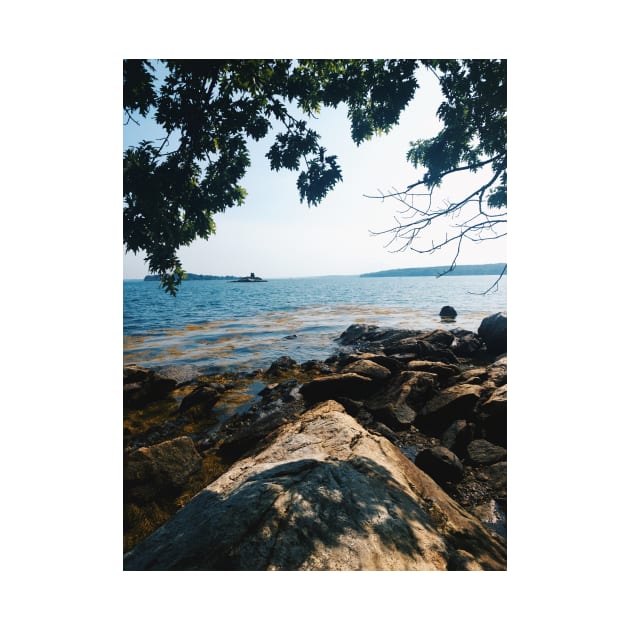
{"x": 216, "y": 325}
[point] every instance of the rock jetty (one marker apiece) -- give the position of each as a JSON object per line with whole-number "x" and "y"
{"x": 390, "y": 455}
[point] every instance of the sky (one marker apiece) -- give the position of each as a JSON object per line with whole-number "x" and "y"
{"x": 274, "y": 235}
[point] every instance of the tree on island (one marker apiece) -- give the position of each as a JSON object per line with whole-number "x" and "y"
{"x": 172, "y": 186}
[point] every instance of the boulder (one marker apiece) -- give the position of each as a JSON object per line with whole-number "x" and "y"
{"x": 497, "y": 372}
{"x": 396, "y": 406}
{"x": 493, "y": 330}
{"x": 440, "y": 464}
{"x": 368, "y": 368}
{"x": 484, "y": 453}
{"x": 200, "y": 400}
{"x": 443, "y": 370}
{"x": 438, "y": 337}
{"x": 467, "y": 345}
{"x": 354, "y": 333}
{"x": 348, "y": 385}
{"x": 457, "y": 437}
{"x": 142, "y": 386}
{"x": 162, "y": 469}
{"x": 448, "y": 312}
{"x": 280, "y": 365}
{"x": 493, "y": 413}
{"x": 453, "y": 403}
{"x": 324, "y": 494}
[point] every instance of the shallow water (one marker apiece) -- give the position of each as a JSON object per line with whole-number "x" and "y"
{"x": 216, "y": 325}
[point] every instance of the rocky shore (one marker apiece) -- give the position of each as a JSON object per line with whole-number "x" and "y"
{"x": 389, "y": 455}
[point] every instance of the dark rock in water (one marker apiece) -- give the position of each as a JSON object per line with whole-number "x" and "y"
{"x": 454, "y": 403}
{"x": 280, "y": 365}
{"x": 349, "y": 385}
{"x": 448, "y": 312}
{"x": 160, "y": 469}
{"x": 440, "y": 464}
{"x": 323, "y": 494}
{"x": 142, "y": 386}
{"x": 493, "y": 330}
{"x": 202, "y": 399}
{"x": 483, "y": 453}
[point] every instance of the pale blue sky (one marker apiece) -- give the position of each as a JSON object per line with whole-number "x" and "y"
{"x": 274, "y": 235}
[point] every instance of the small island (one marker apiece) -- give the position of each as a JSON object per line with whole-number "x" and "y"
{"x": 251, "y": 278}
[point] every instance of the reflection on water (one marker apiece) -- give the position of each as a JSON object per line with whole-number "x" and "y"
{"x": 214, "y": 326}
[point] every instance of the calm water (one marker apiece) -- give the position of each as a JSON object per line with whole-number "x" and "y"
{"x": 217, "y": 325}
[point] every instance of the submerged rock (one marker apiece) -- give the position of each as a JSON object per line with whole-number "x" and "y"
{"x": 324, "y": 494}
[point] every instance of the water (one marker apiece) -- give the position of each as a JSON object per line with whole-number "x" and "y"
{"x": 215, "y": 325}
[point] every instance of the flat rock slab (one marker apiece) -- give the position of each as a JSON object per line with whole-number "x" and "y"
{"x": 324, "y": 494}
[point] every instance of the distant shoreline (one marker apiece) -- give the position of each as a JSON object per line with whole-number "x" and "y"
{"x": 459, "y": 270}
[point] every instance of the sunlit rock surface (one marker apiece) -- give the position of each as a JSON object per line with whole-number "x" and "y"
{"x": 321, "y": 493}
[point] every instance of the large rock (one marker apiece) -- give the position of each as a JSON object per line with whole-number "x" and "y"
{"x": 368, "y": 368}
{"x": 325, "y": 494}
{"x": 453, "y": 403}
{"x": 396, "y": 406}
{"x": 484, "y": 453}
{"x": 493, "y": 330}
{"x": 440, "y": 463}
{"x": 348, "y": 385}
{"x": 201, "y": 400}
{"x": 160, "y": 469}
{"x": 494, "y": 416}
{"x": 142, "y": 386}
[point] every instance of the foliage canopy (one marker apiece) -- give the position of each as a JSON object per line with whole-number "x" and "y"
{"x": 172, "y": 186}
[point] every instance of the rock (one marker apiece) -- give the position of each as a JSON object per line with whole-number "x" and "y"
{"x": 283, "y": 364}
{"x": 497, "y": 372}
{"x": 368, "y": 368}
{"x": 312, "y": 365}
{"x": 142, "y": 386}
{"x": 493, "y": 330}
{"x": 438, "y": 337}
{"x": 354, "y": 333}
{"x": 453, "y": 403}
{"x": 440, "y": 464}
{"x": 496, "y": 477}
{"x": 467, "y": 345}
{"x": 448, "y": 312}
{"x": 200, "y": 400}
{"x": 443, "y": 370}
{"x": 384, "y": 430}
{"x": 494, "y": 416}
{"x": 483, "y": 453}
{"x": 349, "y": 385}
{"x": 457, "y": 437}
{"x": 324, "y": 494}
{"x": 160, "y": 469}
{"x": 396, "y": 405}
{"x": 463, "y": 561}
